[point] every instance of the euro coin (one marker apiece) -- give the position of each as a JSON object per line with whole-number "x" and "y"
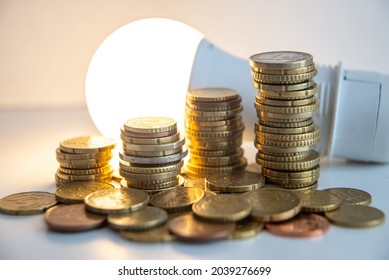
{"x": 27, "y": 203}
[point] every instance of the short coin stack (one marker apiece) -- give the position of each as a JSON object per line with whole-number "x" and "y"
{"x": 285, "y": 133}
{"x": 153, "y": 153}
{"x": 214, "y": 129}
{"x": 84, "y": 158}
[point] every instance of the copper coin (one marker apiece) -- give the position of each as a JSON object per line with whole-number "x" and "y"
{"x": 72, "y": 218}
{"x": 303, "y": 225}
{"x": 187, "y": 227}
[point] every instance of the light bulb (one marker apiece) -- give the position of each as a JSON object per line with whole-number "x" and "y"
{"x": 145, "y": 68}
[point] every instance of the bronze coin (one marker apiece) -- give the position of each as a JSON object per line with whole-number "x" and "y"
{"x": 187, "y": 227}
{"x": 303, "y": 225}
{"x": 72, "y": 218}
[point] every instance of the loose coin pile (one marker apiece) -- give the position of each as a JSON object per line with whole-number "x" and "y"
{"x": 153, "y": 153}
{"x": 285, "y": 133}
{"x": 214, "y": 129}
{"x": 84, "y": 158}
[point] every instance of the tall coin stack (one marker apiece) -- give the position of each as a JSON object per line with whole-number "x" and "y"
{"x": 153, "y": 153}
{"x": 214, "y": 129}
{"x": 285, "y": 132}
{"x": 84, "y": 158}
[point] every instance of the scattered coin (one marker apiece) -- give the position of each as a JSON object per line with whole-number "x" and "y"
{"x": 27, "y": 203}
{"x": 273, "y": 204}
{"x": 76, "y": 192}
{"x": 302, "y": 225}
{"x": 188, "y": 228}
{"x": 116, "y": 201}
{"x": 356, "y": 216}
{"x": 246, "y": 228}
{"x": 319, "y": 201}
{"x": 177, "y": 199}
{"x": 146, "y": 218}
{"x": 72, "y": 218}
{"x": 154, "y": 235}
{"x": 235, "y": 182}
{"x": 350, "y": 196}
{"x": 222, "y": 208}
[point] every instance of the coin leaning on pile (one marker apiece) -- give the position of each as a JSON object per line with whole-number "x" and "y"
{"x": 214, "y": 129}
{"x": 285, "y": 133}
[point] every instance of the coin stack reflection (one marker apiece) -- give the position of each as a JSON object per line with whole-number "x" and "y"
{"x": 285, "y": 133}
{"x": 214, "y": 129}
{"x": 84, "y": 158}
{"x": 153, "y": 153}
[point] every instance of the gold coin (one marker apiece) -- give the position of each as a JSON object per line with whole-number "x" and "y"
{"x": 146, "y": 218}
{"x": 150, "y": 125}
{"x": 261, "y": 136}
{"x": 27, "y": 203}
{"x": 83, "y": 162}
{"x": 157, "y": 177}
{"x": 212, "y": 94}
{"x": 282, "y": 151}
{"x": 293, "y": 183}
{"x": 246, "y": 228}
{"x": 292, "y": 174}
{"x": 269, "y": 116}
{"x": 241, "y": 181}
{"x": 294, "y": 71}
{"x": 311, "y": 161}
{"x": 116, "y": 201}
{"x": 177, "y": 199}
{"x": 296, "y": 157}
{"x": 125, "y": 166}
{"x": 150, "y": 141}
{"x": 200, "y": 124}
{"x": 130, "y": 152}
{"x": 259, "y": 128}
{"x": 319, "y": 201}
{"x": 213, "y": 114}
{"x": 77, "y": 191}
{"x": 73, "y": 156}
{"x": 288, "y": 144}
{"x": 280, "y": 60}
{"x": 212, "y": 146}
{"x": 290, "y": 95}
{"x": 78, "y": 177}
{"x": 282, "y": 102}
{"x": 222, "y": 208}
{"x": 90, "y": 171}
{"x": 288, "y": 87}
{"x": 273, "y": 204}
{"x": 210, "y": 170}
{"x": 217, "y": 161}
{"x": 356, "y": 216}
{"x": 215, "y": 153}
{"x": 350, "y": 196}
{"x": 84, "y": 166}
{"x": 203, "y": 136}
{"x": 195, "y": 129}
{"x": 154, "y": 235}
{"x": 283, "y": 124}
{"x": 87, "y": 144}
{"x": 283, "y": 78}
{"x": 150, "y": 186}
{"x": 155, "y": 160}
{"x": 155, "y": 147}
{"x": 315, "y": 105}
{"x": 214, "y": 106}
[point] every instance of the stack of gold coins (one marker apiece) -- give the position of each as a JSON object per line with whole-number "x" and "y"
{"x": 84, "y": 158}
{"x": 285, "y": 133}
{"x": 153, "y": 153}
{"x": 214, "y": 129}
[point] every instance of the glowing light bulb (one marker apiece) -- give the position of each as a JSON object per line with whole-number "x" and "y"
{"x": 145, "y": 68}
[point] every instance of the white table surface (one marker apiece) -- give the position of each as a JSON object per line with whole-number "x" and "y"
{"x": 28, "y": 140}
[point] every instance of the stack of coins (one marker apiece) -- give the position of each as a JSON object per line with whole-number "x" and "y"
{"x": 153, "y": 153}
{"x": 285, "y": 133}
{"x": 214, "y": 129}
{"x": 84, "y": 158}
